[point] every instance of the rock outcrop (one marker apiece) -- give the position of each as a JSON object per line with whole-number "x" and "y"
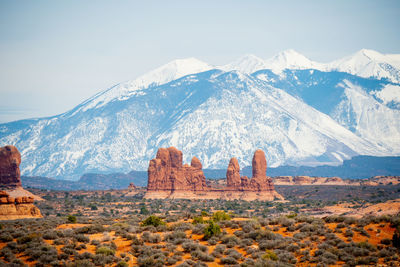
{"x": 131, "y": 186}
{"x": 166, "y": 173}
{"x": 168, "y": 178}
{"x": 17, "y": 208}
{"x": 10, "y": 159}
{"x": 259, "y": 186}
{"x": 15, "y": 202}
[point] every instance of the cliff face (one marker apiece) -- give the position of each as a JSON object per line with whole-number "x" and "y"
{"x": 10, "y": 159}
{"x": 167, "y": 178}
{"x": 166, "y": 172}
{"x": 17, "y": 208}
{"x": 15, "y": 202}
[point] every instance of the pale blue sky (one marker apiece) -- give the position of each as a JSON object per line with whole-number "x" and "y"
{"x": 55, "y": 54}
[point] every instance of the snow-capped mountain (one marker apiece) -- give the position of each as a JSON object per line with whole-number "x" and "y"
{"x": 299, "y": 116}
{"x": 246, "y": 64}
{"x": 369, "y": 63}
{"x": 166, "y": 73}
{"x": 291, "y": 59}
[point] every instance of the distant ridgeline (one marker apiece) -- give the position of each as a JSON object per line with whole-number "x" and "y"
{"x": 358, "y": 167}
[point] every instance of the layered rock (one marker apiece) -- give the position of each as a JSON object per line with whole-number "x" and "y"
{"x": 17, "y": 208}
{"x": 259, "y": 186}
{"x": 167, "y": 178}
{"x": 15, "y": 202}
{"x": 10, "y": 159}
{"x": 166, "y": 174}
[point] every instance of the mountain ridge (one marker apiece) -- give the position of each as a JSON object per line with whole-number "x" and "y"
{"x": 212, "y": 114}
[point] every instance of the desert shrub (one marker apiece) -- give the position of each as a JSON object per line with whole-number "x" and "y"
{"x": 270, "y": 255}
{"x": 50, "y": 235}
{"x": 177, "y": 237}
{"x": 122, "y": 264}
{"x": 300, "y": 236}
{"x": 245, "y": 242}
{"x": 82, "y": 238}
{"x": 172, "y": 260}
{"x": 95, "y": 242}
{"x": 7, "y": 254}
{"x": 71, "y": 219}
{"x": 6, "y": 237}
{"x": 233, "y": 253}
{"x": 229, "y": 239}
{"x": 292, "y": 248}
{"x": 102, "y": 259}
{"x": 228, "y": 260}
{"x": 211, "y": 230}
{"x": 348, "y": 233}
{"x": 162, "y": 228}
{"x": 218, "y": 250}
{"x": 199, "y": 229}
{"x": 269, "y": 244}
{"x": 198, "y": 219}
{"x": 212, "y": 241}
{"x": 181, "y": 227}
{"x": 153, "y": 220}
{"x": 286, "y": 257}
{"x": 385, "y": 252}
{"x": 155, "y": 260}
{"x": 78, "y": 263}
{"x": 220, "y": 216}
{"x": 202, "y": 256}
{"x": 105, "y": 250}
{"x": 238, "y": 233}
{"x": 189, "y": 246}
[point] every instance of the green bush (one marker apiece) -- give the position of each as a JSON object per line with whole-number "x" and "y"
{"x": 153, "y": 220}
{"x": 211, "y": 230}
{"x": 198, "y": 219}
{"x": 105, "y": 251}
{"x": 71, "y": 219}
{"x": 220, "y": 216}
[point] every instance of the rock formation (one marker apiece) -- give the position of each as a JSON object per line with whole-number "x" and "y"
{"x": 17, "y": 208}
{"x": 166, "y": 173}
{"x": 10, "y": 158}
{"x": 259, "y": 184}
{"x": 15, "y": 202}
{"x": 168, "y": 178}
{"x": 233, "y": 174}
{"x": 131, "y": 186}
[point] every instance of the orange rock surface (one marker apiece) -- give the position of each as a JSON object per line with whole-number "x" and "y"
{"x": 168, "y": 178}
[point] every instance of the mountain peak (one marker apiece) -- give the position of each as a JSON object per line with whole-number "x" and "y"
{"x": 290, "y": 59}
{"x": 248, "y": 63}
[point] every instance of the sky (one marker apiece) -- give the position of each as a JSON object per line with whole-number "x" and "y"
{"x": 56, "y": 54}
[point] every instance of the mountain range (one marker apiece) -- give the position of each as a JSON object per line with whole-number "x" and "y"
{"x": 300, "y": 112}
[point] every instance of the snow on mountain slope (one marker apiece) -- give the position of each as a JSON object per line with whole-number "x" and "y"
{"x": 290, "y": 59}
{"x": 368, "y": 118}
{"x": 166, "y": 73}
{"x": 246, "y": 64}
{"x": 369, "y": 63}
{"x": 365, "y": 63}
{"x": 297, "y": 116}
{"x": 245, "y": 114}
